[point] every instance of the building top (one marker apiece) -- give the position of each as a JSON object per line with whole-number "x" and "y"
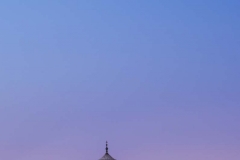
{"x": 107, "y": 156}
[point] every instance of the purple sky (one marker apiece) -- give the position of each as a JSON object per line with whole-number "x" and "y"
{"x": 159, "y": 80}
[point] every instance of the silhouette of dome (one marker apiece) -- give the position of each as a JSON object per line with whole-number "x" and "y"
{"x": 107, "y": 156}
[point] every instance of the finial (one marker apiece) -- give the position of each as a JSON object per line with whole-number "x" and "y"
{"x": 106, "y": 147}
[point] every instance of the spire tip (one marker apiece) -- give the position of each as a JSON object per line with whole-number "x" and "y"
{"x": 106, "y": 147}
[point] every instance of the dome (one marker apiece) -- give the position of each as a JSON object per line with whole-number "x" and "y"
{"x": 107, "y": 156}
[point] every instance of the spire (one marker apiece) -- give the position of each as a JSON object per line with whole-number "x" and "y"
{"x": 107, "y": 156}
{"x": 106, "y": 147}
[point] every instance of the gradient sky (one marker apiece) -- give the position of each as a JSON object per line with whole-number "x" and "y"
{"x": 157, "y": 79}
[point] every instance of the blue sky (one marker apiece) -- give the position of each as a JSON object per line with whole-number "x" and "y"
{"x": 158, "y": 79}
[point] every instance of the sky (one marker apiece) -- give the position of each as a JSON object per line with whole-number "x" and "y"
{"x": 158, "y": 79}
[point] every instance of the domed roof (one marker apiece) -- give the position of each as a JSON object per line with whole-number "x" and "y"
{"x": 107, "y": 156}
